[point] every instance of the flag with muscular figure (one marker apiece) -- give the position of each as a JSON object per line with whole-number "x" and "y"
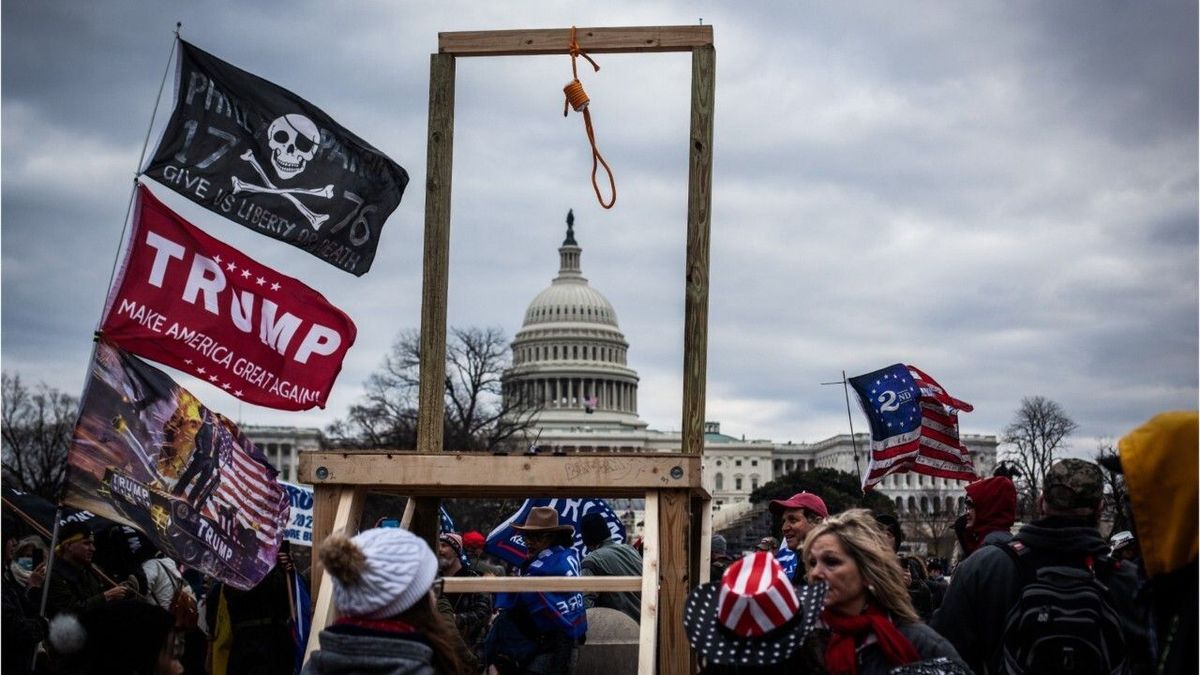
{"x": 191, "y": 302}
{"x": 148, "y": 454}
{"x": 270, "y": 161}
{"x": 914, "y": 425}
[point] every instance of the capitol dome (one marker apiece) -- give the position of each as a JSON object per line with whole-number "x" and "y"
{"x": 569, "y": 357}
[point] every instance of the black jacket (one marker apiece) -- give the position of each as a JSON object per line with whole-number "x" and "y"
{"x": 986, "y": 585}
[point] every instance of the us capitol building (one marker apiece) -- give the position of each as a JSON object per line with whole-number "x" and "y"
{"x": 570, "y": 358}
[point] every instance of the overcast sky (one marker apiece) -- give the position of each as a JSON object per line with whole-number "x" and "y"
{"x": 1003, "y": 194}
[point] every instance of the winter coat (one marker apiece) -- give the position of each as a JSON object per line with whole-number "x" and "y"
{"x": 986, "y": 585}
{"x": 162, "y": 580}
{"x": 611, "y": 559}
{"x": 22, "y": 627}
{"x": 355, "y": 650}
{"x": 1159, "y": 460}
{"x": 471, "y": 612}
{"x": 73, "y": 589}
{"x": 871, "y": 660}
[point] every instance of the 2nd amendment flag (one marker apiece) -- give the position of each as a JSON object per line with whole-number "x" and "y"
{"x": 270, "y": 161}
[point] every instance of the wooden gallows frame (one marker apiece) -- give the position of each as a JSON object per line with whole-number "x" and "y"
{"x": 678, "y": 521}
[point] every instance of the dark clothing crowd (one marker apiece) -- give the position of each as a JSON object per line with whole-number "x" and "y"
{"x": 834, "y": 594}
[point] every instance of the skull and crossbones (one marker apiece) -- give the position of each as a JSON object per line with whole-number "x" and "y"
{"x": 293, "y": 140}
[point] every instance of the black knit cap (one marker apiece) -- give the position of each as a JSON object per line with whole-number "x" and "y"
{"x": 594, "y": 529}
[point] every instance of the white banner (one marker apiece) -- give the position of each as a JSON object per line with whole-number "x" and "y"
{"x": 299, "y": 528}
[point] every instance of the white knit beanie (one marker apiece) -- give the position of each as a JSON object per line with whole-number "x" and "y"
{"x": 378, "y": 573}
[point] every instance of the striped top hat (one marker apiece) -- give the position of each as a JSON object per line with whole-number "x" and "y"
{"x": 752, "y": 616}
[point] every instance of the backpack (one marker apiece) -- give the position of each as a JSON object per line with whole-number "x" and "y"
{"x": 183, "y": 603}
{"x": 1063, "y": 620}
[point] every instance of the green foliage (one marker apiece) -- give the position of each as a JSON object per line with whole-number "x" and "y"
{"x": 840, "y": 489}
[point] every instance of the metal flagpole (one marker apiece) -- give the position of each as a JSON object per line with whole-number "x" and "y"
{"x": 46, "y": 578}
{"x": 850, "y": 417}
{"x": 145, "y": 144}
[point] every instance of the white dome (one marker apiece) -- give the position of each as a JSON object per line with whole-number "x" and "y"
{"x": 569, "y": 357}
{"x": 570, "y": 299}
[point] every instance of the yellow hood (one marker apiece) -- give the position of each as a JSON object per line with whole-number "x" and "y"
{"x": 1160, "y": 461}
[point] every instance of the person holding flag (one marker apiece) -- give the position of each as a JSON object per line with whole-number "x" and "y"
{"x": 549, "y": 627}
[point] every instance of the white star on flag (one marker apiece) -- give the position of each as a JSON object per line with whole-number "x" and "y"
{"x": 231, "y": 267}
{"x": 245, "y": 273}
{"x": 188, "y": 361}
{"x": 275, "y": 286}
{"x": 238, "y": 393}
{"x": 200, "y": 370}
{"x": 212, "y": 378}
{"x": 217, "y": 259}
{"x": 261, "y": 281}
{"x": 226, "y": 386}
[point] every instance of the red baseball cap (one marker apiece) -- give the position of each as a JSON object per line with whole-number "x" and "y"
{"x": 800, "y": 500}
{"x": 473, "y": 540}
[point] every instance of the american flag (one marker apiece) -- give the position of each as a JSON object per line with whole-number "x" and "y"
{"x": 248, "y": 488}
{"x": 914, "y": 425}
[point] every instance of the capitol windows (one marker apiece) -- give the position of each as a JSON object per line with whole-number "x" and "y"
{"x": 738, "y": 463}
{"x": 899, "y": 504}
{"x": 556, "y": 352}
{"x": 754, "y": 482}
{"x": 924, "y": 504}
{"x": 754, "y": 462}
{"x": 912, "y": 505}
{"x": 737, "y": 483}
{"x": 719, "y": 481}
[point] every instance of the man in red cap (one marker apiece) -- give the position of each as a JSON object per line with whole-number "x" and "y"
{"x": 799, "y": 513}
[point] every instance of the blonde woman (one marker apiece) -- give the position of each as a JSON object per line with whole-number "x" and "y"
{"x": 870, "y": 621}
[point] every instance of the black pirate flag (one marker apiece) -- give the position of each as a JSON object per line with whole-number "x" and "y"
{"x": 270, "y": 161}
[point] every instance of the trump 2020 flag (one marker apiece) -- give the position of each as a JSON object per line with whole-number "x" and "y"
{"x": 914, "y": 425}
{"x": 268, "y": 160}
{"x": 506, "y": 543}
{"x": 148, "y": 454}
{"x": 187, "y": 300}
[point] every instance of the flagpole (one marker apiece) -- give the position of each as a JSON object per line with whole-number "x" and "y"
{"x": 50, "y": 562}
{"x": 145, "y": 144}
{"x": 850, "y": 417}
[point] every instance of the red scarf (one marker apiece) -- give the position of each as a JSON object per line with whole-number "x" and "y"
{"x": 381, "y": 625}
{"x": 840, "y": 654}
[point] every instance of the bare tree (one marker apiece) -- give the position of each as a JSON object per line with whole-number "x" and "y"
{"x": 37, "y": 427}
{"x": 1035, "y": 436}
{"x": 477, "y": 416}
{"x": 933, "y": 523}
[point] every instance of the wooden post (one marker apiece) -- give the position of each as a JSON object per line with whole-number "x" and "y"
{"x": 345, "y": 514}
{"x": 439, "y": 171}
{"x": 673, "y": 582}
{"x": 648, "y": 631}
{"x": 325, "y": 504}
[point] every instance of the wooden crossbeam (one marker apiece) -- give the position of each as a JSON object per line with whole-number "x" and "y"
{"x": 592, "y": 40}
{"x": 541, "y": 584}
{"x": 447, "y": 474}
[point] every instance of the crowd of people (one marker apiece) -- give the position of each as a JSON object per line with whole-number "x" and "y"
{"x": 1054, "y": 597}
{"x": 834, "y": 594}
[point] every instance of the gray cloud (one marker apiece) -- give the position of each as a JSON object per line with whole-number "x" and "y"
{"x": 1001, "y": 193}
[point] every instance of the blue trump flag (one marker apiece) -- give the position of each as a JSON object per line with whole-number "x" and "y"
{"x": 506, "y": 543}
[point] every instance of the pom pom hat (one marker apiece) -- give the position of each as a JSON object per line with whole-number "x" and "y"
{"x": 379, "y": 573}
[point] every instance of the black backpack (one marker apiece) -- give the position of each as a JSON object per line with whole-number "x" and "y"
{"x": 1063, "y": 620}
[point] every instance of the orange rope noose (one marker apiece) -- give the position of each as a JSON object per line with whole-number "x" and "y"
{"x": 576, "y": 98}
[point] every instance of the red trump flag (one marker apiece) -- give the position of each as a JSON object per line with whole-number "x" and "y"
{"x": 184, "y": 299}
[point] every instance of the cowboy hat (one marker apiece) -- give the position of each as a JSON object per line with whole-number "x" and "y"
{"x": 543, "y": 519}
{"x": 752, "y": 616}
